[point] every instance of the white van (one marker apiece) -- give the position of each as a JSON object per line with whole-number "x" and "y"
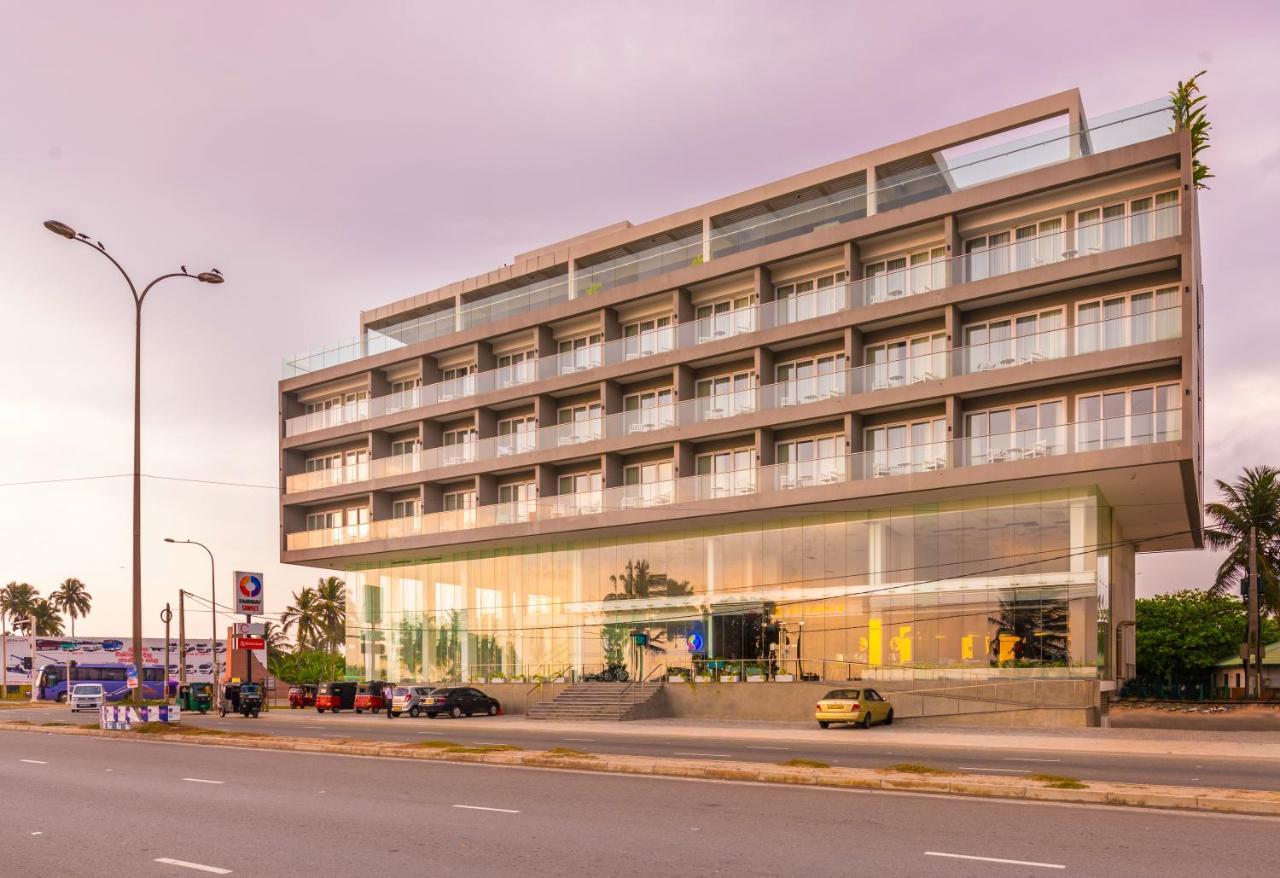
{"x": 87, "y": 696}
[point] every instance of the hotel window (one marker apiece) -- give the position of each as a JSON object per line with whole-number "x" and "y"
{"x": 810, "y": 379}
{"x": 906, "y": 361}
{"x": 908, "y": 275}
{"x": 457, "y": 381}
{"x": 339, "y": 408}
{"x": 1133, "y": 221}
{"x": 458, "y": 500}
{"x": 1134, "y": 318}
{"x": 1025, "y": 246}
{"x": 1022, "y": 432}
{"x": 813, "y": 297}
{"x": 579, "y": 423}
{"x": 517, "y": 435}
{"x": 1012, "y": 341}
{"x": 516, "y": 368}
{"x": 460, "y": 509}
{"x": 404, "y": 394}
{"x": 346, "y": 466}
{"x": 723, "y": 395}
{"x": 648, "y": 484}
{"x": 458, "y": 446}
{"x": 908, "y": 447}
{"x": 324, "y": 520}
{"x": 649, "y": 410}
{"x": 646, "y": 337}
{"x": 516, "y": 502}
{"x": 725, "y": 473}
{"x": 1131, "y": 416}
{"x": 726, "y": 317}
{"x": 582, "y": 352}
{"x": 580, "y": 493}
{"x": 802, "y": 462}
{"x": 407, "y": 508}
{"x": 405, "y": 446}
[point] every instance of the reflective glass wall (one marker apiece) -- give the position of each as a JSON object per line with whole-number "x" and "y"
{"x": 998, "y": 586}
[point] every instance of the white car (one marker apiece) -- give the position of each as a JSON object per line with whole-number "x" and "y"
{"x": 87, "y": 696}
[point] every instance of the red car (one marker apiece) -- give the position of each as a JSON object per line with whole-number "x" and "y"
{"x": 302, "y": 696}
{"x": 369, "y": 696}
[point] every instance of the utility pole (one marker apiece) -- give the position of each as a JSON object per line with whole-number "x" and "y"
{"x": 1255, "y": 635}
{"x": 166, "y": 616}
{"x": 182, "y": 637}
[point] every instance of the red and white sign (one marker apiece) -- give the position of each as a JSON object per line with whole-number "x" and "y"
{"x": 250, "y": 643}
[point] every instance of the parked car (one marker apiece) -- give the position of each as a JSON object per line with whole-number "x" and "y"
{"x": 860, "y": 706}
{"x": 459, "y": 701}
{"x": 335, "y": 696}
{"x": 302, "y": 696}
{"x": 113, "y": 645}
{"x": 87, "y": 696}
{"x": 369, "y": 696}
{"x": 409, "y": 699}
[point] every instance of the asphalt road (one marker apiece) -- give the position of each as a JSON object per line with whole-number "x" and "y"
{"x": 847, "y": 747}
{"x": 93, "y": 807}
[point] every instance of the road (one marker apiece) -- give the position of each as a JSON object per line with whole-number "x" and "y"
{"x": 92, "y": 807}
{"x": 845, "y": 747}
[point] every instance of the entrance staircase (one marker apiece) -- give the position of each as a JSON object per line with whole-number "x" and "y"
{"x": 600, "y": 701}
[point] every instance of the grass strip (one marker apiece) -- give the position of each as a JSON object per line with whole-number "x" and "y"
{"x": 916, "y": 768}
{"x": 1058, "y": 781}
{"x": 804, "y": 763}
{"x": 569, "y": 751}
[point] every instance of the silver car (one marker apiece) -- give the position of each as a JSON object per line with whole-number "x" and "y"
{"x": 87, "y": 696}
{"x": 408, "y": 699}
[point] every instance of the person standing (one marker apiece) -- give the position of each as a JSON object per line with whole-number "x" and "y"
{"x": 386, "y": 698}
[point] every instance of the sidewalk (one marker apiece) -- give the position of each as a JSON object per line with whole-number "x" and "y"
{"x": 1146, "y": 742}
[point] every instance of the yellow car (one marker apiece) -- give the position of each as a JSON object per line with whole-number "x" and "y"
{"x": 860, "y": 706}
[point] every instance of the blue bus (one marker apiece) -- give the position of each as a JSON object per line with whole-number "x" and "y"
{"x": 51, "y": 683}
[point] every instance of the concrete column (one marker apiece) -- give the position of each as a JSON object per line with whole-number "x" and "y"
{"x": 544, "y": 478}
{"x": 762, "y": 282}
{"x": 763, "y": 366}
{"x": 683, "y": 457}
{"x": 953, "y": 323}
{"x": 706, "y": 238}
{"x": 1079, "y": 134}
{"x": 951, "y": 241}
{"x": 853, "y": 432}
{"x": 611, "y": 469}
{"x": 430, "y": 370}
{"x": 432, "y": 434}
{"x": 379, "y": 444}
{"x": 432, "y": 498}
{"x": 682, "y": 381}
{"x": 378, "y": 383}
{"x": 609, "y": 324}
{"x": 379, "y": 506}
{"x": 681, "y": 305}
{"x": 457, "y": 313}
{"x": 544, "y": 410}
{"x": 853, "y": 347}
{"x": 764, "y": 447}
{"x": 483, "y": 355}
{"x": 486, "y": 420}
{"x": 486, "y": 489}
{"x": 871, "y": 191}
{"x": 611, "y": 396}
{"x": 953, "y": 416}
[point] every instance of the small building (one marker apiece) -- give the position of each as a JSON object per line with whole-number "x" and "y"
{"x": 1229, "y": 673}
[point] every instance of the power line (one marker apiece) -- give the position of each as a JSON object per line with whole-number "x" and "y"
{"x": 145, "y": 476}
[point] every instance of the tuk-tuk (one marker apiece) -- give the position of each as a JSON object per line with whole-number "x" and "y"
{"x": 196, "y": 696}
{"x": 335, "y": 695}
{"x": 302, "y": 695}
{"x": 370, "y": 696}
{"x": 242, "y": 698}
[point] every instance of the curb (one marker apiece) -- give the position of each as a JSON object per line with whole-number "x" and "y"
{"x": 1207, "y": 799}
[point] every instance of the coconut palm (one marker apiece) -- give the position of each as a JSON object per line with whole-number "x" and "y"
{"x": 47, "y": 621}
{"x": 16, "y": 600}
{"x": 276, "y": 639}
{"x": 303, "y": 617}
{"x": 1252, "y": 500}
{"x": 72, "y": 598}
{"x": 331, "y": 593}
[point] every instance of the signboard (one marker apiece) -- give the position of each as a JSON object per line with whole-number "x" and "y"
{"x": 695, "y": 642}
{"x": 20, "y": 663}
{"x": 248, "y": 591}
{"x": 123, "y": 718}
{"x": 250, "y": 629}
{"x": 132, "y": 679}
{"x": 250, "y": 643}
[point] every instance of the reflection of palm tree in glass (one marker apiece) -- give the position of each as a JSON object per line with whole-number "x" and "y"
{"x": 411, "y": 646}
{"x": 448, "y": 651}
{"x": 639, "y": 582}
{"x": 1041, "y": 626}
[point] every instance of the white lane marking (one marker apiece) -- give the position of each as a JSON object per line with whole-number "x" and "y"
{"x": 33, "y": 761}
{"x": 768, "y": 748}
{"x": 688, "y": 753}
{"x": 995, "y": 860}
{"x": 199, "y": 867}
{"x": 587, "y": 740}
{"x": 200, "y": 780}
{"x": 37, "y": 833}
{"x": 482, "y": 808}
{"x": 983, "y": 768}
{"x": 1016, "y": 759}
{"x": 313, "y": 727}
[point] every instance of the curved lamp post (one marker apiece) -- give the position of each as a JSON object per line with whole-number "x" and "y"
{"x": 209, "y": 277}
{"x": 213, "y": 612}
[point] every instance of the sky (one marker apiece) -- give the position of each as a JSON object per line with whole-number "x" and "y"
{"x": 331, "y": 157}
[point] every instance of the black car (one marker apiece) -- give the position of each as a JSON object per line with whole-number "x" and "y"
{"x": 459, "y": 701}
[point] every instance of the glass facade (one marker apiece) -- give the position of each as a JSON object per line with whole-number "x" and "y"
{"x": 989, "y": 587}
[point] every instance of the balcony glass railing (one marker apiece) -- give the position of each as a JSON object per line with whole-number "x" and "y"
{"x": 521, "y": 300}
{"x": 631, "y": 267}
{"x": 999, "y": 354}
{"x": 1005, "y": 448}
{"x": 374, "y": 341}
{"x": 883, "y": 287}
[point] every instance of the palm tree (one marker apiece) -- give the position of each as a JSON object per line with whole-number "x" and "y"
{"x": 1252, "y": 500}
{"x": 47, "y": 621}
{"x": 72, "y": 598}
{"x": 304, "y": 616}
{"x": 276, "y": 639}
{"x": 331, "y": 593}
{"x": 16, "y": 600}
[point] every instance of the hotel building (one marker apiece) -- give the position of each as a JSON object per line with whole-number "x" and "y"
{"x": 910, "y": 415}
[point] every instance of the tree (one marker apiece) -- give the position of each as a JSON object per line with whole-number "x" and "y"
{"x": 1181, "y": 636}
{"x": 16, "y": 600}
{"x": 305, "y": 618}
{"x": 47, "y": 621}
{"x": 276, "y": 639}
{"x": 331, "y": 594}
{"x": 1189, "y": 109}
{"x": 72, "y": 598}
{"x": 1253, "y": 499}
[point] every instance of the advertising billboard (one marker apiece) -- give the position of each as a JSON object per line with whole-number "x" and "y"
{"x": 20, "y": 666}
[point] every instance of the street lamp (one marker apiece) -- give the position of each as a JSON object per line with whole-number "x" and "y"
{"x": 213, "y": 611}
{"x": 209, "y": 277}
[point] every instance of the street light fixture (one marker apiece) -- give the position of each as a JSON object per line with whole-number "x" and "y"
{"x": 212, "y": 276}
{"x": 213, "y": 612}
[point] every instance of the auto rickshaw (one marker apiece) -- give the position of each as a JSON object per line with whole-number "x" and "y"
{"x": 196, "y": 696}
{"x": 242, "y": 698}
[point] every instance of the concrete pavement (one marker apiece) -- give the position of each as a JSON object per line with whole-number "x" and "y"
{"x": 88, "y": 806}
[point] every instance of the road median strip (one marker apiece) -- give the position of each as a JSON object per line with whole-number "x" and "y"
{"x": 903, "y": 776}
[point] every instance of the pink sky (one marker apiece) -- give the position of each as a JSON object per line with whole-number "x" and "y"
{"x": 333, "y": 157}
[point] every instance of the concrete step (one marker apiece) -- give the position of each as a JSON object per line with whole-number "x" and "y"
{"x": 595, "y": 701}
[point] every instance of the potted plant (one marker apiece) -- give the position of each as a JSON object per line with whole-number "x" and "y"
{"x": 678, "y": 675}
{"x": 784, "y": 678}
{"x": 594, "y": 288}
{"x": 697, "y": 260}
{"x": 755, "y": 674}
{"x": 728, "y": 675}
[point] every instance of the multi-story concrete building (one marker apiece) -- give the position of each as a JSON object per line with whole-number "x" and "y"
{"x": 909, "y": 414}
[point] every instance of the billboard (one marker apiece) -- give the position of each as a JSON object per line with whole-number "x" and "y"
{"x": 19, "y": 664}
{"x": 248, "y": 591}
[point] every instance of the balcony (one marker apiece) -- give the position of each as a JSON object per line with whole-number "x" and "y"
{"x": 1006, "y": 448}
{"x": 884, "y": 287}
{"x": 836, "y": 202}
{"x": 1027, "y": 349}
